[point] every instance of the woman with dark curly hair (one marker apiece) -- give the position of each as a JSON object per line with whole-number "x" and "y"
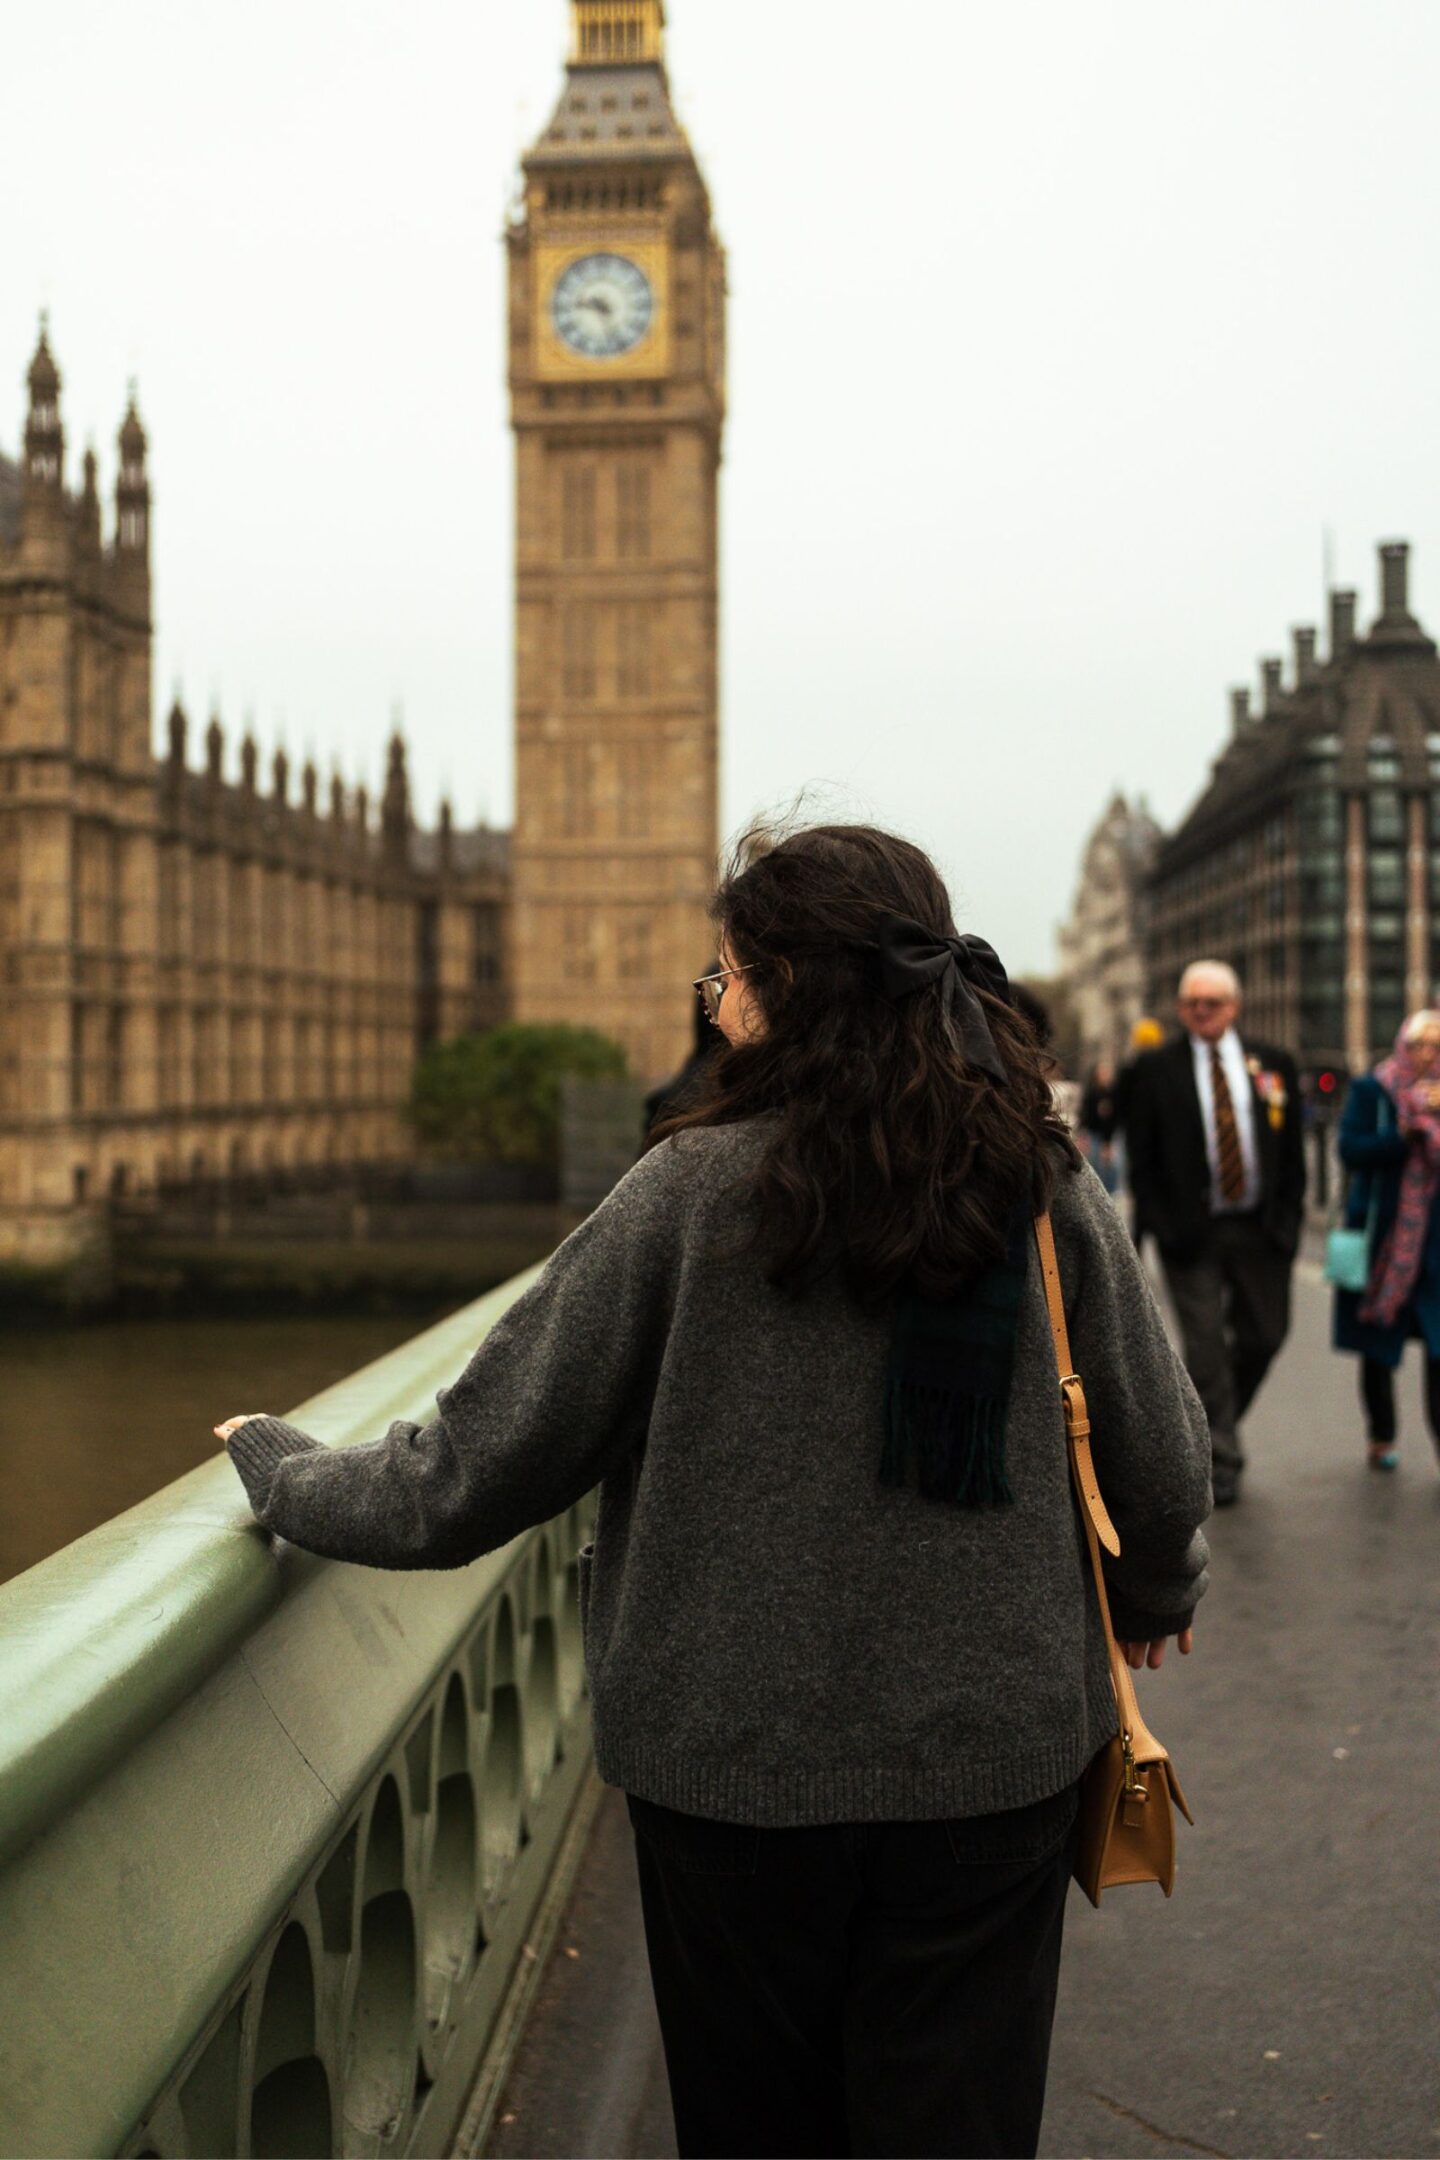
{"x": 842, "y": 1653}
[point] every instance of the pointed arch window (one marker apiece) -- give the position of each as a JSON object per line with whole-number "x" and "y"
{"x": 633, "y": 538}
{"x": 633, "y": 946}
{"x": 579, "y": 650}
{"x": 578, "y": 511}
{"x": 577, "y": 793}
{"x": 639, "y": 777}
{"x": 577, "y": 955}
{"x": 633, "y": 650}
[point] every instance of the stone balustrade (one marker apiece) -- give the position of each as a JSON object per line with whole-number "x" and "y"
{"x": 274, "y": 1832}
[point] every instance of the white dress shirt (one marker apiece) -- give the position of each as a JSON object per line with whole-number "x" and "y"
{"x": 1242, "y": 1097}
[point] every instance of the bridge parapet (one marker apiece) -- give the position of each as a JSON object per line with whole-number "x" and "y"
{"x": 274, "y": 1831}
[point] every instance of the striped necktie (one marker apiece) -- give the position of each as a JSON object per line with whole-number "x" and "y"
{"x": 1227, "y": 1134}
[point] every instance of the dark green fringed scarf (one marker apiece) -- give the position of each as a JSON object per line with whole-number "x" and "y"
{"x": 948, "y": 1385}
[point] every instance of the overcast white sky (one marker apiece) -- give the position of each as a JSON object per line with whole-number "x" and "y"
{"x": 1059, "y": 336}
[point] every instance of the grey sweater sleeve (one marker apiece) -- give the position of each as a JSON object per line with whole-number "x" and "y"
{"x": 1150, "y": 1438}
{"x": 557, "y": 1392}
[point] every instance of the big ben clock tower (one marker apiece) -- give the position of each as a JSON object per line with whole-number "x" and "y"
{"x": 617, "y": 303}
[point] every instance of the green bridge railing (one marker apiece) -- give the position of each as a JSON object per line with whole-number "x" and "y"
{"x": 274, "y": 1832}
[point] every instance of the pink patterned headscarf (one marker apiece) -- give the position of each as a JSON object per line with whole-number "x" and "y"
{"x": 1395, "y": 1269}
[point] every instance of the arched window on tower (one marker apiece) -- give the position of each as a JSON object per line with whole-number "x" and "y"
{"x": 577, "y": 793}
{"x": 633, "y": 946}
{"x": 633, "y": 673}
{"x": 632, "y": 509}
{"x": 579, "y": 644}
{"x": 577, "y": 956}
{"x": 578, "y": 511}
{"x": 639, "y": 781}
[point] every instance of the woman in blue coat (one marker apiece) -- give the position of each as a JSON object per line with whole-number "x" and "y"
{"x": 1390, "y": 1142}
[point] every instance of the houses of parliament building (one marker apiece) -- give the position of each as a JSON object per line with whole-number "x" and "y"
{"x": 207, "y": 977}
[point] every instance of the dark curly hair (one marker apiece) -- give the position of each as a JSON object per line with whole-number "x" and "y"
{"x": 892, "y": 1158}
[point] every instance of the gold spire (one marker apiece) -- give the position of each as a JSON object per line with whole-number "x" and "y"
{"x": 616, "y": 33}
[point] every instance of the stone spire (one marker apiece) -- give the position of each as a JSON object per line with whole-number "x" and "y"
{"x": 132, "y": 488}
{"x": 44, "y": 436}
{"x": 90, "y": 506}
{"x": 395, "y": 803}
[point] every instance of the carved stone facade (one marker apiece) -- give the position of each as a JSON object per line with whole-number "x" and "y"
{"x": 617, "y": 319}
{"x": 204, "y": 979}
{"x": 201, "y": 979}
{"x": 1102, "y": 946}
{"x": 1311, "y": 862}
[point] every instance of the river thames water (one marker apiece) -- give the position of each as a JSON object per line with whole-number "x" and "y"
{"x": 96, "y": 1416}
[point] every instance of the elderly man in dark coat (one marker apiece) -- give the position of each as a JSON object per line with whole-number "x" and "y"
{"x": 1217, "y": 1169}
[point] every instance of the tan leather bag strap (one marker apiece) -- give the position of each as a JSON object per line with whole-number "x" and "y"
{"x": 1099, "y": 1530}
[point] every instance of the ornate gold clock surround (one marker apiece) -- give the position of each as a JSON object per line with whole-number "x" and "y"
{"x": 555, "y": 361}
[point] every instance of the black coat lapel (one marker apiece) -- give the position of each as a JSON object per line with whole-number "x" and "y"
{"x": 1188, "y": 1093}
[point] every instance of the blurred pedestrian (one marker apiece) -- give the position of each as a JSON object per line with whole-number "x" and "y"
{"x": 842, "y": 1654}
{"x": 1099, "y": 1125}
{"x": 1390, "y": 1142}
{"x": 1145, "y": 1035}
{"x": 1217, "y": 1168}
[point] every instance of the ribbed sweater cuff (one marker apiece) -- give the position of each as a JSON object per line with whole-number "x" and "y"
{"x": 1133, "y": 1624}
{"x": 257, "y": 1451}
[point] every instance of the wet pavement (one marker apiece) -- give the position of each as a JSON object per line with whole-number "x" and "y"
{"x": 1287, "y": 1999}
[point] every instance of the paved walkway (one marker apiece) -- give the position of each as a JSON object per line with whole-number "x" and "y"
{"x": 1287, "y": 1999}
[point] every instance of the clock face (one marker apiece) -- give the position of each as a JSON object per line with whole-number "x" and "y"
{"x": 602, "y": 306}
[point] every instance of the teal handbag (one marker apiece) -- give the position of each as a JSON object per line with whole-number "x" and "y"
{"x": 1348, "y": 1253}
{"x": 1347, "y": 1256}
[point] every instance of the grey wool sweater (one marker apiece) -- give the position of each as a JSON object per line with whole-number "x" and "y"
{"x": 772, "y": 1636}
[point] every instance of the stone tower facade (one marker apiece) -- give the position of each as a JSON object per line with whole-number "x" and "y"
{"x": 1102, "y": 945}
{"x": 201, "y": 978}
{"x": 77, "y": 809}
{"x": 617, "y": 374}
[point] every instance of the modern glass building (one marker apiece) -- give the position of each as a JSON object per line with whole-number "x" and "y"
{"x": 1312, "y": 860}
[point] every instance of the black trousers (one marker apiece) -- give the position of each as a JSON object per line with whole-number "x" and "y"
{"x": 860, "y": 1988}
{"x": 1233, "y": 1306}
{"x": 1377, "y": 1392}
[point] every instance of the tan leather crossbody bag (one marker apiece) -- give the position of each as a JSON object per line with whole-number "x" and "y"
{"x": 1130, "y": 1792}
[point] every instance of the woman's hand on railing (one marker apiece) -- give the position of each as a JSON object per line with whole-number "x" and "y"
{"x": 223, "y": 1432}
{"x": 1138, "y": 1654}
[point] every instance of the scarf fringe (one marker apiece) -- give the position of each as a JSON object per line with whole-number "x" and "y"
{"x": 953, "y": 1445}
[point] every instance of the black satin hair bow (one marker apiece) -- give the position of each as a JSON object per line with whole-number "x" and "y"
{"x": 911, "y": 956}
